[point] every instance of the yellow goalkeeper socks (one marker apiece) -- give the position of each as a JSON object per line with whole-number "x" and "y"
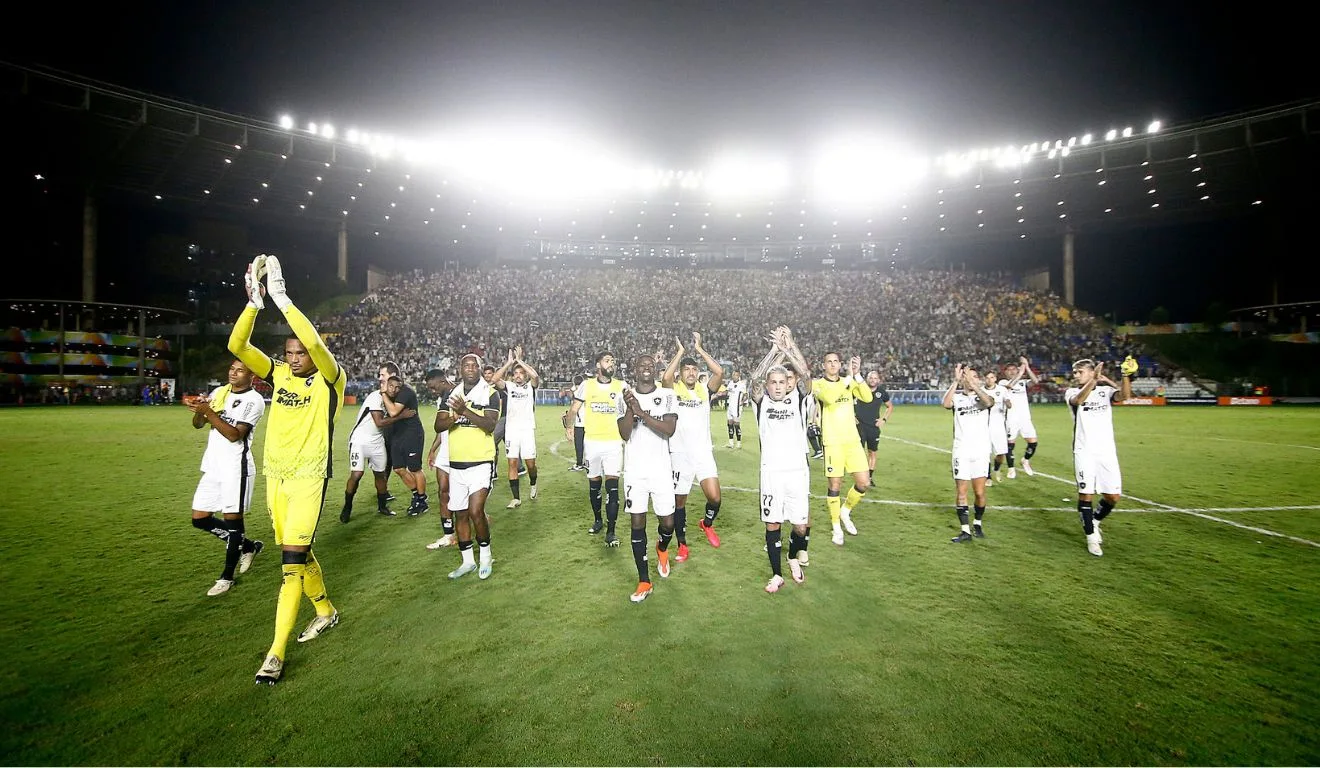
{"x": 832, "y": 503}
{"x": 314, "y": 587}
{"x": 854, "y": 498}
{"x": 286, "y": 610}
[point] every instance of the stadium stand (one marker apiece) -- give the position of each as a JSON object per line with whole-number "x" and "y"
{"x": 913, "y": 324}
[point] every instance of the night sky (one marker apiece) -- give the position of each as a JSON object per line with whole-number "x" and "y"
{"x": 675, "y": 81}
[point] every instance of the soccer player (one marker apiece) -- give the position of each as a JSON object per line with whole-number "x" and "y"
{"x": 308, "y": 392}
{"x": 998, "y": 423}
{"x": 366, "y": 447}
{"x": 520, "y": 429}
{"x": 1019, "y": 414}
{"x": 407, "y": 438}
{"x": 693, "y": 453}
{"x": 578, "y": 430}
{"x": 1095, "y": 456}
{"x": 971, "y": 406}
{"x": 228, "y": 469}
{"x": 869, "y": 419}
{"x": 781, "y": 414}
{"x": 439, "y": 385}
{"x": 844, "y": 454}
{"x": 469, "y": 416}
{"x": 647, "y": 420}
{"x": 602, "y": 446}
{"x": 737, "y": 393}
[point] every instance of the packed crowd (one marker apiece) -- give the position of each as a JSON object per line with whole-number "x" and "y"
{"x": 914, "y": 325}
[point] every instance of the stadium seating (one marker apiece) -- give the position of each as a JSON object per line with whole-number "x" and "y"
{"x": 915, "y": 325}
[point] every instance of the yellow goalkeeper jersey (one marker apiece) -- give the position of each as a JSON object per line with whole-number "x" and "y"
{"x": 600, "y": 406}
{"x": 301, "y": 427}
{"x": 838, "y": 422}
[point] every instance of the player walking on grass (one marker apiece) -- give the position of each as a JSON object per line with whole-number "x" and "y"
{"x": 737, "y": 393}
{"x": 520, "y": 428}
{"x": 308, "y": 391}
{"x": 469, "y": 416}
{"x": 998, "y": 422}
{"x": 971, "y": 406}
{"x": 366, "y": 446}
{"x": 438, "y": 384}
{"x": 869, "y": 419}
{"x": 407, "y": 438}
{"x": 844, "y": 454}
{"x": 781, "y": 420}
{"x": 1095, "y": 456}
{"x": 228, "y": 469}
{"x": 692, "y": 451}
{"x": 1019, "y": 414}
{"x": 647, "y": 420}
{"x": 598, "y": 400}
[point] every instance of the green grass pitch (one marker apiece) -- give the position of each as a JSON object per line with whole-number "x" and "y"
{"x": 1194, "y": 640}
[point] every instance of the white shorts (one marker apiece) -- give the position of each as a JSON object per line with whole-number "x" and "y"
{"x": 1021, "y": 425}
{"x": 971, "y": 466}
{"x": 784, "y": 495}
{"x": 692, "y": 468}
{"x": 520, "y": 442}
{"x": 441, "y": 460}
{"x": 465, "y": 482}
{"x": 1097, "y": 474}
{"x": 658, "y": 490}
{"x": 223, "y": 492}
{"x": 604, "y": 458}
{"x": 735, "y": 416}
{"x": 998, "y": 440}
{"x": 368, "y": 454}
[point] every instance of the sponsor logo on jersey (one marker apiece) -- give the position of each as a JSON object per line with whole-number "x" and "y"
{"x": 290, "y": 399}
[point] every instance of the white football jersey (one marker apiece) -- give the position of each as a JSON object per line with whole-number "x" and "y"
{"x": 646, "y": 453}
{"x": 737, "y": 394}
{"x": 233, "y": 408}
{"x": 1093, "y": 421}
{"x": 782, "y": 426}
{"x": 522, "y": 399}
{"x": 693, "y": 433}
{"x": 971, "y": 426}
{"x": 1018, "y": 396}
{"x": 366, "y": 431}
{"x": 999, "y": 411}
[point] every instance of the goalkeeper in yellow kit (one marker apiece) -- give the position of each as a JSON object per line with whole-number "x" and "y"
{"x": 844, "y": 454}
{"x": 308, "y": 393}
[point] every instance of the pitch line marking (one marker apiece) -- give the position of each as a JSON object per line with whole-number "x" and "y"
{"x": 1166, "y": 507}
{"x": 1262, "y": 442}
{"x": 1201, "y": 512}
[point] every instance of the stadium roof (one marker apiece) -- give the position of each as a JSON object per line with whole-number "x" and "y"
{"x": 165, "y": 153}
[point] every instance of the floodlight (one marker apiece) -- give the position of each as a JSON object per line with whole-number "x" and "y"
{"x": 1154, "y": 127}
{"x": 311, "y": 128}
{"x": 1127, "y": 132}
{"x": 286, "y": 122}
{"x": 1086, "y": 139}
{"x": 1111, "y": 134}
{"x": 743, "y": 175}
{"x": 354, "y": 136}
{"x": 327, "y": 131}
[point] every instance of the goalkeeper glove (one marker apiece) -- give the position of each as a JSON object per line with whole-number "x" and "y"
{"x": 275, "y": 287}
{"x": 1129, "y": 366}
{"x": 252, "y": 282}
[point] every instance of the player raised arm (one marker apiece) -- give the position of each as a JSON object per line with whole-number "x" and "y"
{"x": 974, "y": 384}
{"x": 533, "y": 377}
{"x": 947, "y": 402}
{"x": 716, "y": 370}
{"x": 1128, "y": 368}
{"x": 1092, "y": 379}
{"x": 298, "y": 322}
{"x": 240, "y": 338}
{"x": 497, "y": 379}
{"x": 667, "y": 378}
{"x": 857, "y": 383}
